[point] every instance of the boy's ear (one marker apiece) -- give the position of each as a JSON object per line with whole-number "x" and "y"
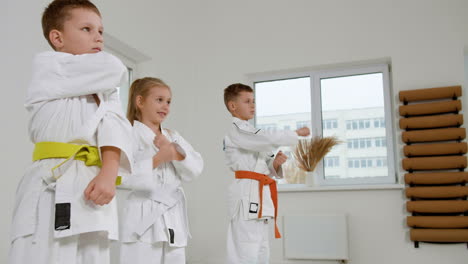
{"x": 56, "y": 39}
{"x": 232, "y": 106}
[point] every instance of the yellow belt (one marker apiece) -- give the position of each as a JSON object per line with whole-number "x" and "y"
{"x": 53, "y": 150}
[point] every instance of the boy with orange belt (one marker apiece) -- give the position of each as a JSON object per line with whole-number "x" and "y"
{"x": 253, "y": 194}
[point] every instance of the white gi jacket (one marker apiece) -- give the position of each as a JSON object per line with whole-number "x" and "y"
{"x": 156, "y": 208}
{"x": 63, "y": 109}
{"x": 249, "y": 149}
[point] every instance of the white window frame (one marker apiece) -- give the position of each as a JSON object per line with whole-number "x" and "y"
{"x": 132, "y": 70}
{"x": 129, "y": 56}
{"x": 316, "y": 117}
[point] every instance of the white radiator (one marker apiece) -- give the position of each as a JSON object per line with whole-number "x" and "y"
{"x": 315, "y": 237}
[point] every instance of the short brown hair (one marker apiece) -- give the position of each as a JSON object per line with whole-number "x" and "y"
{"x": 232, "y": 92}
{"x": 58, "y": 11}
{"x": 141, "y": 87}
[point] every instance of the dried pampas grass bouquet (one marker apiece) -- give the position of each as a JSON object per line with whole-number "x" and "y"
{"x": 309, "y": 152}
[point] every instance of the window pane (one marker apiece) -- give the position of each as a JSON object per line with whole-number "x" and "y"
{"x": 363, "y": 163}
{"x": 357, "y": 102}
{"x": 284, "y": 104}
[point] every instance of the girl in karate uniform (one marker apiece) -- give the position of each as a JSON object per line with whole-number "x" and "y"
{"x": 154, "y": 228}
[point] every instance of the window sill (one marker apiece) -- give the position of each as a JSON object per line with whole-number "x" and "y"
{"x": 304, "y": 188}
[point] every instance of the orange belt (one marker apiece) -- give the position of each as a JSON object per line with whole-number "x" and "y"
{"x": 262, "y": 181}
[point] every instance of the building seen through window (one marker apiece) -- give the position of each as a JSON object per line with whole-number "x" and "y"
{"x": 351, "y": 109}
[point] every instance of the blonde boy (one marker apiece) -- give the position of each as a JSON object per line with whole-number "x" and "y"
{"x": 64, "y": 210}
{"x": 253, "y": 194}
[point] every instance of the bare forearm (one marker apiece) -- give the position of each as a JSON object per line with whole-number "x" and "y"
{"x": 110, "y": 161}
{"x": 276, "y": 166}
{"x": 101, "y": 189}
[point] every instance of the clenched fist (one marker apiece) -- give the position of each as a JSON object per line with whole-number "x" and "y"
{"x": 279, "y": 160}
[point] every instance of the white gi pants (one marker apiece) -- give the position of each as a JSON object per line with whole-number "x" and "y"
{"x": 248, "y": 241}
{"x": 146, "y": 253}
{"x": 43, "y": 248}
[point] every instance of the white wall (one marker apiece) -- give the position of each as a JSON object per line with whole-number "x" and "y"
{"x": 200, "y": 47}
{"x": 466, "y": 67}
{"x": 21, "y": 39}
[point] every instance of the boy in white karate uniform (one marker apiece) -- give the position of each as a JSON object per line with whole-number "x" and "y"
{"x": 253, "y": 194}
{"x": 64, "y": 210}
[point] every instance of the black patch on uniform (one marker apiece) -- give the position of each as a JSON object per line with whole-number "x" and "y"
{"x": 62, "y": 216}
{"x": 257, "y": 131}
{"x": 171, "y": 235}
{"x": 253, "y": 208}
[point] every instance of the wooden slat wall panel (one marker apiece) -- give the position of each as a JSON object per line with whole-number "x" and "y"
{"x": 434, "y": 135}
{"x": 435, "y": 160}
{"x": 436, "y": 149}
{"x": 438, "y": 121}
{"x": 437, "y": 221}
{"x": 437, "y": 192}
{"x": 439, "y": 235}
{"x": 434, "y": 178}
{"x": 431, "y": 94}
{"x": 435, "y": 163}
{"x": 453, "y": 106}
{"x": 442, "y": 206}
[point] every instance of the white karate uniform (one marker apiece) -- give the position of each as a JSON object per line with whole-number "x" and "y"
{"x": 154, "y": 226}
{"x": 63, "y": 109}
{"x": 249, "y": 149}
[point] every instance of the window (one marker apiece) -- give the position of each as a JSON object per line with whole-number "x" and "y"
{"x": 358, "y": 124}
{"x": 379, "y": 123}
{"x": 330, "y": 124}
{"x": 381, "y": 162}
{"x": 359, "y": 143}
{"x": 331, "y": 162}
{"x": 352, "y": 104}
{"x": 367, "y": 162}
{"x": 380, "y": 142}
{"x": 301, "y": 124}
